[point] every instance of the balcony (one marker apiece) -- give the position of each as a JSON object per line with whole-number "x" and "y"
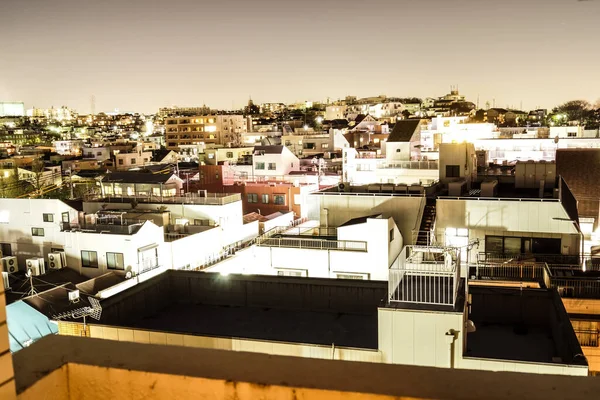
{"x": 124, "y": 228}
{"x": 429, "y": 165}
{"x": 67, "y": 367}
{"x": 211, "y": 199}
{"x": 313, "y": 244}
{"x": 296, "y": 237}
{"x": 425, "y": 275}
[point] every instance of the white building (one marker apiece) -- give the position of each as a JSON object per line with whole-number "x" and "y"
{"x": 361, "y": 248}
{"x": 137, "y": 157}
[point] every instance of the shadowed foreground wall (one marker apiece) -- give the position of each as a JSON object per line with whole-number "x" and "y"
{"x": 60, "y": 367}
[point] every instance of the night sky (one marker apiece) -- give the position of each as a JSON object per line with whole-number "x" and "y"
{"x": 138, "y": 55}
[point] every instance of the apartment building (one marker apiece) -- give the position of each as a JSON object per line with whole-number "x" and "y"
{"x": 134, "y": 158}
{"x": 208, "y": 129}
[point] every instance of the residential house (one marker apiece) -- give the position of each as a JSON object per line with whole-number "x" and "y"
{"x": 141, "y": 184}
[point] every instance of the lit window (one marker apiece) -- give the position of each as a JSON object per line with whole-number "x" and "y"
{"x": 48, "y": 217}
{"x": 265, "y": 199}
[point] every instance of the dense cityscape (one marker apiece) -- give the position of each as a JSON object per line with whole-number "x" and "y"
{"x": 437, "y": 239}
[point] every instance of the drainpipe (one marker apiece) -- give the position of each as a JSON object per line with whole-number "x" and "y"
{"x": 450, "y": 337}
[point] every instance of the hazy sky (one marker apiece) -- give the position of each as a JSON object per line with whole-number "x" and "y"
{"x": 138, "y": 55}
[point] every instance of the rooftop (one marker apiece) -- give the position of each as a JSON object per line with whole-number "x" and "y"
{"x": 284, "y": 309}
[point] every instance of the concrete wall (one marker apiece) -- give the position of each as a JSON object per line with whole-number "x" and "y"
{"x": 83, "y": 368}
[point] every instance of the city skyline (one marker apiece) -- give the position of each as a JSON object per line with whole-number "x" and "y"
{"x": 140, "y": 56}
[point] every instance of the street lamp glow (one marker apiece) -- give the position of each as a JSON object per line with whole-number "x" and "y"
{"x": 319, "y": 120}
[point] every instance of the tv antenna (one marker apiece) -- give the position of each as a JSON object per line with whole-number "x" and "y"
{"x": 94, "y": 310}
{"x": 29, "y": 275}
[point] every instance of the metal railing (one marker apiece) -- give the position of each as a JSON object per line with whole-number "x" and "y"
{"x": 425, "y": 275}
{"x": 591, "y": 261}
{"x": 210, "y": 199}
{"x": 587, "y": 337}
{"x": 428, "y": 235}
{"x": 577, "y": 287}
{"x": 534, "y": 199}
{"x": 124, "y": 229}
{"x": 313, "y": 244}
{"x": 309, "y": 231}
{"x": 429, "y": 165}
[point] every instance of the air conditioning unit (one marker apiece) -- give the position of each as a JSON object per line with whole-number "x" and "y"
{"x": 57, "y": 260}
{"x": 74, "y": 296}
{"x": 10, "y": 264}
{"x": 36, "y": 266}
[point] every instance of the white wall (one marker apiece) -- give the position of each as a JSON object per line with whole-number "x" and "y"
{"x": 20, "y": 215}
{"x": 102, "y": 243}
{"x": 193, "y": 250}
{"x": 415, "y": 337}
{"x": 506, "y": 218}
{"x": 374, "y": 263}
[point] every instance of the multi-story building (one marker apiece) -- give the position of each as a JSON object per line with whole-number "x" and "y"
{"x": 12, "y": 109}
{"x": 208, "y": 129}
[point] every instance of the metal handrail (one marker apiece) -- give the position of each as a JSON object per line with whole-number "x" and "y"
{"x": 498, "y": 199}
{"x": 314, "y": 244}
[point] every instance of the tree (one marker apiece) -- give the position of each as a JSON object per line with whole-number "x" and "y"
{"x": 37, "y": 167}
{"x": 579, "y": 111}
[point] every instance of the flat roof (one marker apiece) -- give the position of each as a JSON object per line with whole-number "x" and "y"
{"x": 273, "y": 308}
{"x": 265, "y": 323}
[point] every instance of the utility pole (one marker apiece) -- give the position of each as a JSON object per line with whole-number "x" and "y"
{"x": 71, "y": 183}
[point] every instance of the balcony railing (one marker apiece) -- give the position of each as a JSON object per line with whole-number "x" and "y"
{"x": 587, "y": 337}
{"x": 313, "y": 244}
{"x": 127, "y": 228}
{"x": 433, "y": 165}
{"x": 425, "y": 275}
{"x": 210, "y": 199}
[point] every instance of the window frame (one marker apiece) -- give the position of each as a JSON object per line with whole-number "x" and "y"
{"x": 115, "y": 255}
{"x": 259, "y": 165}
{"x": 48, "y": 217}
{"x": 272, "y": 166}
{"x": 263, "y": 197}
{"x": 83, "y": 264}
{"x": 36, "y": 232}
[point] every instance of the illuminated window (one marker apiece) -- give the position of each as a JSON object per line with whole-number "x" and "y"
{"x": 37, "y": 231}
{"x": 265, "y": 199}
{"x": 48, "y": 217}
{"x": 65, "y": 216}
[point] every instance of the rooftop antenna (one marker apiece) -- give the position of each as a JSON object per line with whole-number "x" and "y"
{"x": 94, "y": 310}
{"x": 29, "y": 275}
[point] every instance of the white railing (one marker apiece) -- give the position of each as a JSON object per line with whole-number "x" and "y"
{"x": 425, "y": 275}
{"x": 313, "y": 244}
{"x": 210, "y": 199}
{"x": 412, "y": 165}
